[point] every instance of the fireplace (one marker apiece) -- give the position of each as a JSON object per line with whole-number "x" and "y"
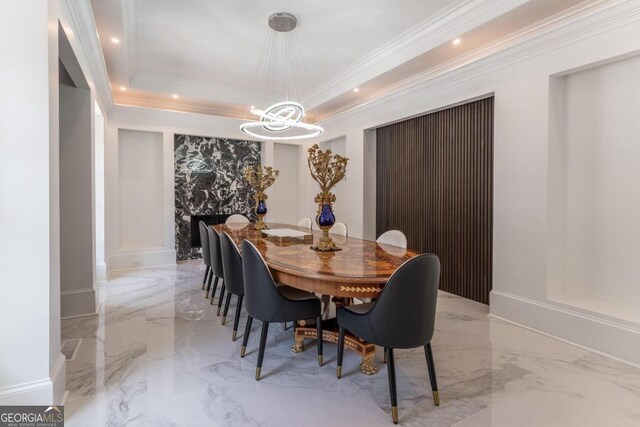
{"x": 209, "y": 185}
{"x": 207, "y": 219}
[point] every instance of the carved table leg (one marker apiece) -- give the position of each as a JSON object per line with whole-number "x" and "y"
{"x": 367, "y": 366}
{"x": 298, "y": 346}
{"x": 306, "y": 329}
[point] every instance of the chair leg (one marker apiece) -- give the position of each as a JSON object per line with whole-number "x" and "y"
{"x": 391, "y": 370}
{"x": 263, "y": 343}
{"x": 340, "y": 351}
{"x": 236, "y": 320}
{"x": 226, "y": 308}
{"x": 206, "y": 274}
{"x": 221, "y": 298}
{"x": 209, "y": 283}
{"x": 432, "y": 374}
{"x": 319, "y": 335}
{"x": 245, "y": 338}
{"x": 215, "y": 287}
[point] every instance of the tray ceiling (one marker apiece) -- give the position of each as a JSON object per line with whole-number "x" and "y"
{"x": 204, "y": 56}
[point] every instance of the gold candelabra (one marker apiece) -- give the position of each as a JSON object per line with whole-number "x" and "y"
{"x": 260, "y": 178}
{"x": 327, "y": 170}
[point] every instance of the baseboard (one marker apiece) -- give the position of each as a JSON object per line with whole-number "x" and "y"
{"x": 78, "y": 303}
{"x": 95, "y": 313}
{"x": 46, "y": 391}
{"x": 588, "y": 331}
{"x": 138, "y": 259}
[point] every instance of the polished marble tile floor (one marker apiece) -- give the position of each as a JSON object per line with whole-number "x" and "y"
{"x": 157, "y": 355}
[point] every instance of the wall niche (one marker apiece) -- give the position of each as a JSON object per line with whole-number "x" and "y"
{"x": 594, "y": 202}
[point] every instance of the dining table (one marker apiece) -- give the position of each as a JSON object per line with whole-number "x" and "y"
{"x": 359, "y": 270}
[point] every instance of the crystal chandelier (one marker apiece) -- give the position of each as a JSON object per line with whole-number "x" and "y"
{"x": 281, "y": 121}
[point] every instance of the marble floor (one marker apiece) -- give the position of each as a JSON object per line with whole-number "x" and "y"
{"x": 157, "y": 355}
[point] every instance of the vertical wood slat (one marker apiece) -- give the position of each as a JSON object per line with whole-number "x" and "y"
{"x": 435, "y": 184}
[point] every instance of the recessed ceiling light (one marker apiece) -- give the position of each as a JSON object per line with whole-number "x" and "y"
{"x": 122, "y": 88}
{"x": 457, "y": 42}
{"x": 356, "y": 89}
{"x": 175, "y": 96}
{"x": 115, "y": 40}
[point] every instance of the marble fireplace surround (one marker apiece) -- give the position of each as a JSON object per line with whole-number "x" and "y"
{"x": 209, "y": 181}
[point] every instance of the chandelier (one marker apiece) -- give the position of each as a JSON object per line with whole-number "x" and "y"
{"x": 283, "y": 120}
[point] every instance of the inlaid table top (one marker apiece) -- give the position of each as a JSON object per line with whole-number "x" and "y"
{"x": 360, "y": 269}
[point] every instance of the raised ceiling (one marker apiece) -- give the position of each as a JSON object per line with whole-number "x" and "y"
{"x": 208, "y": 53}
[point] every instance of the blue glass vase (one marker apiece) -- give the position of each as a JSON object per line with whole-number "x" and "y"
{"x": 261, "y": 209}
{"x": 326, "y": 217}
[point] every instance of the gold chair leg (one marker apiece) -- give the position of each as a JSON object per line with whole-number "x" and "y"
{"x": 394, "y": 414}
{"x": 436, "y": 398}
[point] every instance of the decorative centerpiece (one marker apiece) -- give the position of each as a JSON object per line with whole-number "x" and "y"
{"x": 327, "y": 170}
{"x": 260, "y": 179}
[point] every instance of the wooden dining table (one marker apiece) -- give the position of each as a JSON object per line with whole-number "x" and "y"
{"x": 359, "y": 270}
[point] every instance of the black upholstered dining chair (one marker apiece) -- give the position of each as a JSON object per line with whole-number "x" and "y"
{"x": 206, "y": 257}
{"x": 270, "y": 303}
{"x": 402, "y": 317}
{"x": 233, "y": 279}
{"x": 216, "y": 260}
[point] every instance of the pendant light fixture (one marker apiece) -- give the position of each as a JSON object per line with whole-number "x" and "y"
{"x": 283, "y": 119}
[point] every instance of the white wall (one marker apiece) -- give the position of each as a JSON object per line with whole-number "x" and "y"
{"x": 517, "y": 72}
{"x": 284, "y": 195}
{"x": 598, "y": 173}
{"x": 29, "y": 290}
{"x": 98, "y": 191}
{"x": 77, "y": 264}
{"x": 141, "y": 190}
{"x": 31, "y": 365}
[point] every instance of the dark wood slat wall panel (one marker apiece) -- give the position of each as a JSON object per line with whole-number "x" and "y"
{"x": 435, "y": 184}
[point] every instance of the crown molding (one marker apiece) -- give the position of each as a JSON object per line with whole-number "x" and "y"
{"x": 84, "y": 26}
{"x": 439, "y": 28}
{"x": 570, "y": 26}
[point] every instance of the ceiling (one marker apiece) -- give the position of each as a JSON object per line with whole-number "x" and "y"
{"x": 206, "y": 56}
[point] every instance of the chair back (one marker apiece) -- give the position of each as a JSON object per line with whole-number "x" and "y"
{"x": 237, "y": 219}
{"x": 305, "y": 223}
{"x": 339, "y": 229}
{"x": 231, "y": 265}
{"x": 204, "y": 242}
{"x": 404, "y": 315}
{"x": 215, "y": 252}
{"x": 393, "y": 238}
{"x": 262, "y": 298}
